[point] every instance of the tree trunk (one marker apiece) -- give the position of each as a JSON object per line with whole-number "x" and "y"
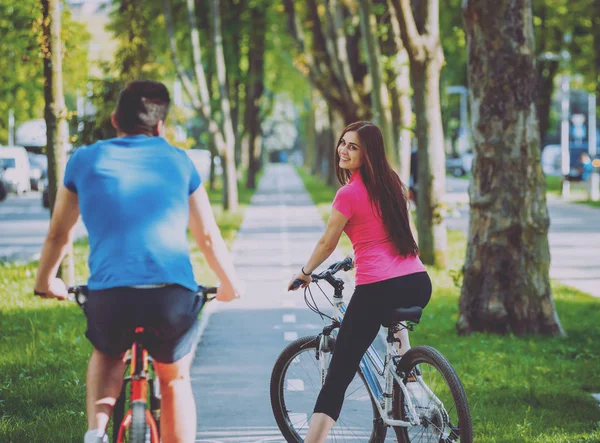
{"x": 213, "y": 156}
{"x": 373, "y": 56}
{"x": 506, "y": 287}
{"x": 309, "y": 133}
{"x": 55, "y": 111}
{"x": 199, "y": 95}
{"x": 400, "y": 96}
{"x": 431, "y": 163}
{"x": 254, "y": 91}
{"x": 420, "y": 36}
{"x": 230, "y": 197}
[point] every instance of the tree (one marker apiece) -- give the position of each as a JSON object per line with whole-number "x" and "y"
{"x": 420, "y": 35}
{"x": 21, "y": 64}
{"x": 398, "y": 73}
{"x": 200, "y": 98}
{"x": 506, "y": 287}
{"x": 378, "y": 87}
{"x": 55, "y": 111}
{"x": 255, "y": 88}
{"x": 330, "y": 58}
{"x": 230, "y": 195}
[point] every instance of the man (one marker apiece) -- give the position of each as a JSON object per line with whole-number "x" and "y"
{"x": 137, "y": 195}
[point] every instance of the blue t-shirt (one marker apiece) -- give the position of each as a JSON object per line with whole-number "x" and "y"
{"x": 133, "y": 196}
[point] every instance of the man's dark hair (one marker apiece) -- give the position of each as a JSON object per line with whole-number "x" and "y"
{"x": 142, "y": 104}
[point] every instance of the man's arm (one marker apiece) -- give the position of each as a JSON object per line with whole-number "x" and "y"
{"x": 64, "y": 218}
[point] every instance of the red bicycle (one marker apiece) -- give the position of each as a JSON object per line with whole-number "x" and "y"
{"x": 141, "y": 388}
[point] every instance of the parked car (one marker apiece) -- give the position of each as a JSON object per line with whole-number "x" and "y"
{"x": 46, "y": 195}
{"x": 459, "y": 165}
{"x": 15, "y": 163}
{"x": 38, "y": 171}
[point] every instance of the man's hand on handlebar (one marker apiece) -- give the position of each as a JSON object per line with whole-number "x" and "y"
{"x": 56, "y": 289}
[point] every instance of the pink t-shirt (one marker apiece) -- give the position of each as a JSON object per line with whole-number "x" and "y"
{"x": 375, "y": 255}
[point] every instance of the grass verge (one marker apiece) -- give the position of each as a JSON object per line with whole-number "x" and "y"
{"x": 521, "y": 389}
{"x": 44, "y": 354}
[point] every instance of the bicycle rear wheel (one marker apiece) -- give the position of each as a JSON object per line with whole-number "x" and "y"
{"x": 295, "y": 385}
{"x": 438, "y": 397}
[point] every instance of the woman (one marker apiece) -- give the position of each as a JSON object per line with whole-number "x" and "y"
{"x": 372, "y": 208}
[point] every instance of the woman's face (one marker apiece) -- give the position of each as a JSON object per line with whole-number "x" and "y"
{"x": 350, "y": 152}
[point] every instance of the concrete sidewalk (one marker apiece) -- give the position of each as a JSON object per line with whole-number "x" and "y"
{"x": 242, "y": 339}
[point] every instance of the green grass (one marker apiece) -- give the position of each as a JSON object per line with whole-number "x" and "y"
{"x": 44, "y": 354}
{"x": 520, "y": 389}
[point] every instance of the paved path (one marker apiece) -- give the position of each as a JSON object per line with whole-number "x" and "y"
{"x": 574, "y": 237}
{"x": 234, "y": 359}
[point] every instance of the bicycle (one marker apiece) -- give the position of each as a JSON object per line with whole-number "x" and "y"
{"x": 422, "y": 398}
{"x": 140, "y": 424}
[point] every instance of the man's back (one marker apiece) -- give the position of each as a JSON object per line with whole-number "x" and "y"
{"x": 133, "y": 194}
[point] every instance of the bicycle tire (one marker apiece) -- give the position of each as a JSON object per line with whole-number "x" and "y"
{"x": 278, "y": 402}
{"x": 427, "y": 357}
{"x": 118, "y": 413}
{"x": 137, "y": 430}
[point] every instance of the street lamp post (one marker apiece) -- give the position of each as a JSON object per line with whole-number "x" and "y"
{"x": 564, "y": 137}
{"x": 595, "y": 177}
{"x": 564, "y": 58}
{"x": 11, "y": 127}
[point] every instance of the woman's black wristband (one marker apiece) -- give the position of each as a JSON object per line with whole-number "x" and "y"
{"x": 305, "y": 272}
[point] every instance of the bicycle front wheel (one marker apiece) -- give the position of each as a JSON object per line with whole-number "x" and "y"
{"x": 295, "y": 385}
{"x": 438, "y": 398}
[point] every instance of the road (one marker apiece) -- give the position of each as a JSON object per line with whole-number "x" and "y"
{"x": 574, "y": 237}
{"x": 23, "y": 226}
{"x": 574, "y": 233}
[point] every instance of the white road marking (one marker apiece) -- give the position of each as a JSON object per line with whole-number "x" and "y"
{"x": 289, "y": 318}
{"x": 290, "y": 335}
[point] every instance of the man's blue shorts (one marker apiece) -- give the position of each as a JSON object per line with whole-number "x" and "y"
{"x": 169, "y": 316}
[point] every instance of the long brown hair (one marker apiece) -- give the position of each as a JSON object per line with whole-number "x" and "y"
{"x": 387, "y": 192}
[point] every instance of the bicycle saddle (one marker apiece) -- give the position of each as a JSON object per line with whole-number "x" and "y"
{"x": 402, "y": 314}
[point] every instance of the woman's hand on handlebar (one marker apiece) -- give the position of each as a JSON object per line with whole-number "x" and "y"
{"x": 306, "y": 279}
{"x": 57, "y": 289}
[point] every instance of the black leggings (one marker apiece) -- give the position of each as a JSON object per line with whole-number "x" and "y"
{"x": 360, "y": 327}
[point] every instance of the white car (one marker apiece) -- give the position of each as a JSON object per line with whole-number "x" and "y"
{"x": 14, "y": 161}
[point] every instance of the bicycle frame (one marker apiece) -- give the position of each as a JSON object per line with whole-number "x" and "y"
{"x": 371, "y": 366}
{"x": 139, "y": 389}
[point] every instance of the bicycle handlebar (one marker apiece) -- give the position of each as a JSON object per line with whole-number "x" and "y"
{"x": 345, "y": 265}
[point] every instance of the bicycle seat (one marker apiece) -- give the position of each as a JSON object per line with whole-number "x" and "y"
{"x": 402, "y": 314}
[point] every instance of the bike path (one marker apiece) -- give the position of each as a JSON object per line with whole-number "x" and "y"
{"x": 242, "y": 339}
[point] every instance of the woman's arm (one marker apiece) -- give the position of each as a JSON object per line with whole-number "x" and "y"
{"x": 325, "y": 246}
{"x": 210, "y": 241}
{"x": 64, "y": 218}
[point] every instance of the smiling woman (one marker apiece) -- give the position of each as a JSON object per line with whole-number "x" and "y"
{"x": 371, "y": 208}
